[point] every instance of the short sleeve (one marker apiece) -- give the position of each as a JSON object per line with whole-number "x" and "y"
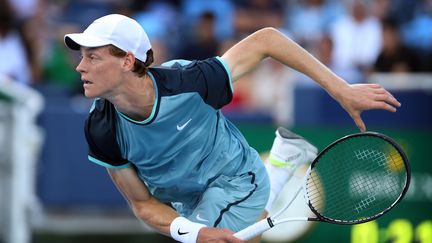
{"x": 210, "y": 78}
{"x": 217, "y": 77}
{"x": 100, "y": 133}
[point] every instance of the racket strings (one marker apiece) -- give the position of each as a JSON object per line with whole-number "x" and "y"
{"x": 360, "y": 180}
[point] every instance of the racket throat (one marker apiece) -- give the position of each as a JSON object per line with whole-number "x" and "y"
{"x": 270, "y": 222}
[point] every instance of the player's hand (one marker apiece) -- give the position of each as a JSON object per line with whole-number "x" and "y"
{"x": 357, "y": 98}
{"x": 216, "y": 235}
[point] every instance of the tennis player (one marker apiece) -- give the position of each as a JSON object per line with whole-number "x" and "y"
{"x": 183, "y": 167}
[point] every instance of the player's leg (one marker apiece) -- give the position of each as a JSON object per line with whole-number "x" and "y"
{"x": 288, "y": 152}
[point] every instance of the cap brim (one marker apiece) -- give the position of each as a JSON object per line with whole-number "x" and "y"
{"x": 77, "y": 40}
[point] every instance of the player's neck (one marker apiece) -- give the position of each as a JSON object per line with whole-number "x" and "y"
{"x": 136, "y": 98}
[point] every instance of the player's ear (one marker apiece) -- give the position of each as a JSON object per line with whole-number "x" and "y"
{"x": 129, "y": 61}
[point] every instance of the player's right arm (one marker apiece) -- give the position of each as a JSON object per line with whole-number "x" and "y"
{"x": 158, "y": 215}
{"x": 145, "y": 207}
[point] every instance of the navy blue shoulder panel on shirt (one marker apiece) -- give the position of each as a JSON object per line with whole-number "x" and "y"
{"x": 208, "y": 77}
{"x": 100, "y": 132}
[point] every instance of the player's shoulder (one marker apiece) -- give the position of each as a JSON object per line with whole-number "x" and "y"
{"x": 100, "y": 132}
{"x": 100, "y": 125}
{"x": 180, "y": 70}
{"x": 209, "y": 78}
{"x": 100, "y": 104}
{"x": 175, "y": 76}
{"x": 178, "y": 63}
{"x": 101, "y": 112}
{"x": 172, "y": 70}
{"x": 182, "y": 65}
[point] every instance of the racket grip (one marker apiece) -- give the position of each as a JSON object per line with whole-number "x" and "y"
{"x": 254, "y": 230}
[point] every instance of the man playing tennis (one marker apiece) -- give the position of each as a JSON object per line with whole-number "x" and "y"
{"x": 161, "y": 135}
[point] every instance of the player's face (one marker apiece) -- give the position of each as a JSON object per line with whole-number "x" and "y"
{"x": 100, "y": 71}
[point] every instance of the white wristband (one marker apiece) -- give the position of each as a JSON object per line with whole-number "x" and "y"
{"x": 184, "y": 230}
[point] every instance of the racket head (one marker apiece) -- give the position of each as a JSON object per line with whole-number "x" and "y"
{"x": 357, "y": 178}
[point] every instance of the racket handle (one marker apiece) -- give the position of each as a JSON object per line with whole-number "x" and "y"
{"x": 254, "y": 230}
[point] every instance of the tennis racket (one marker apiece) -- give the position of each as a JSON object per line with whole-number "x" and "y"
{"x": 357, "y": 178}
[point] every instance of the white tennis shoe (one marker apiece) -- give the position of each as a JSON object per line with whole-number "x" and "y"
{"x": 291, "y": 150}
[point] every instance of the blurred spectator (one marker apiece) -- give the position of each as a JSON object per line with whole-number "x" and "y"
{"x": 160, "y": 21}
{"x": 25, "y": 8}
{"x": 323, "y": 51}
{"x": 203, "y": 43}
{"x": 15, "y": 63}
{"x": 252, "y": 15}
{"x": 59, "y": 64}
{"x": 403, "y": 11}
{"x": 395, "y": 56}
{"x": 31, "y": 29}
{"x": 400, "y": 11}
{"x": 357, "y": 41}
{"x": 309, "y": 19}
{"x": 83, "y": 12}
{"x": 265, "y": 94}
{"x": 381, "y": 9}
{"x": 272, "y": 91}
{"x": 417, "y": 34}
{"x": 223, "y": 10}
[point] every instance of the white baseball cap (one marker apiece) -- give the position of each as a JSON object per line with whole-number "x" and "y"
{"x": 118, "y": 30}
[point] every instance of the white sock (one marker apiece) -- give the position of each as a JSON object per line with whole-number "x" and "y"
{"x": 278, "y": 178}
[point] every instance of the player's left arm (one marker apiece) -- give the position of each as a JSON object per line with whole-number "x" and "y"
{"x": 269, "y": 42}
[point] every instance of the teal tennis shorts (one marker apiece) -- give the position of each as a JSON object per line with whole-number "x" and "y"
{"x": 233, "y": 202}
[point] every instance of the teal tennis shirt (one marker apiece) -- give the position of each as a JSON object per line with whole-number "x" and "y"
{"x": 186, "y": 142}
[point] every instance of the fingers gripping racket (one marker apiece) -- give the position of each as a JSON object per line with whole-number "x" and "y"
{"x": 357, "y": 178}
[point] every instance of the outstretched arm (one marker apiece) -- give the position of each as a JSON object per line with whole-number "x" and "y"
{"x": 160, "y": 216}
{"x": 269, "y": 42}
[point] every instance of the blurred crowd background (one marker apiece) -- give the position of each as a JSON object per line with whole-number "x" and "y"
{"x": 47, "y": 186}
{"x": 355, "y": 38}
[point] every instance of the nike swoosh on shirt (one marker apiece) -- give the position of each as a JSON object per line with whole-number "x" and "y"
{"x": 181, "y": 127}
{"x": 198, "y": 217}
